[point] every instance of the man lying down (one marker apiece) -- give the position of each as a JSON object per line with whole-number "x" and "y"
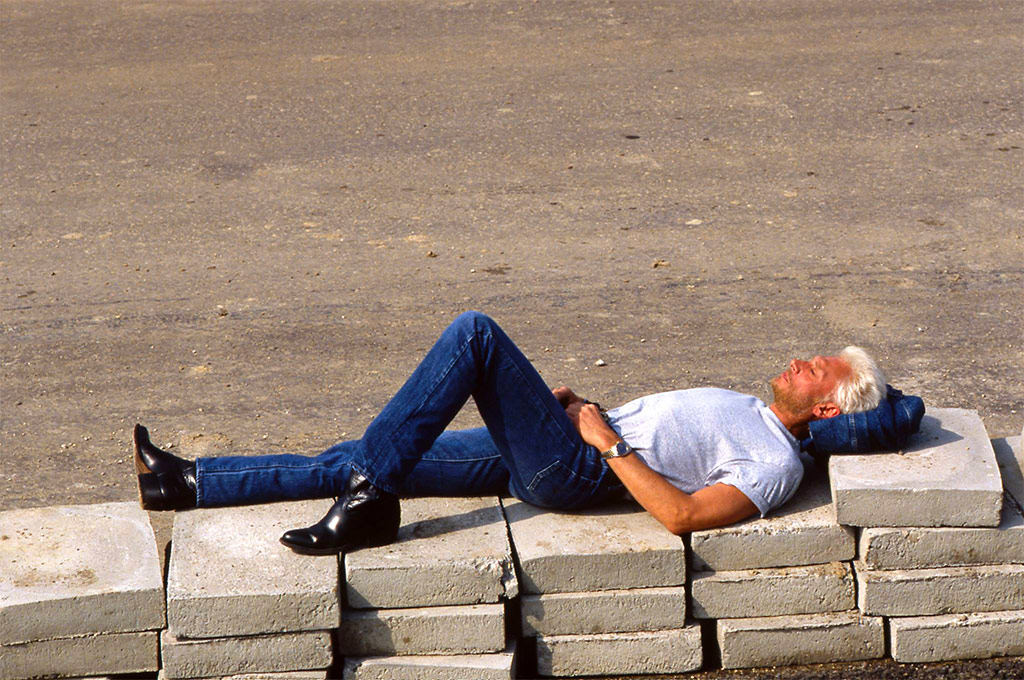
{"x": 694, "y": 459}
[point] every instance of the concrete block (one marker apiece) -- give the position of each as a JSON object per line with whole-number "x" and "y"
{"x": 665, "y": 651}
{"x": 449, "y": 551}
{"x": 947, "y": 476}
{"x": 227, "y": 656}
{"x": 464, "y": 629}
{"x": 792, "y": 640}
{"x": 229, "y": 575}
{"x": 1010, "y": 458}
{"x": 924, "y": 548}
{"x": 500, "y": 666}
{"x": 773, "y": 592}
{"x": 605, "y": 611}
{"x": 952, "y": 590}
{"x": 613, "y": 547}
{"x": 957, "y": 636}
{"x": 87, "y": 655}
{"x": 804, "y": 531}
{"x": 78, "y": 570}
{"x": 284, "y": 675}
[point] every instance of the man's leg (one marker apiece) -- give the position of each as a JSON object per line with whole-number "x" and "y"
{"x": 547, "y": 462}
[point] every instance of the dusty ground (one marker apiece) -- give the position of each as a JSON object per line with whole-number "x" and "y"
{"x": 242, "y": 223}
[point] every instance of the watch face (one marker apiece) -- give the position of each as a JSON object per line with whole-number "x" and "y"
{"x": 621, "y": 449}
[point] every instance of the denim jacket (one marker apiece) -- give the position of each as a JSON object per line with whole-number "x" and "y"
{"x": 887, "y": 427}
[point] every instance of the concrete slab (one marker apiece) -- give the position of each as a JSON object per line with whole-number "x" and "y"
{"x": 284, "y": 675}
{"x": 1010, "y": 458}
{"x": 804, "y": 531}
{"x": 229, "y": 575}
{"x": 88, "y": 655}
{"x": 500, "y": 666}
{"x": 924, "y": 548}
{"x": 926, "y": 592}
{"x": 957, "y": 636}
{"x": 78, "y": 570}
{"x": 449, "y": 551}
{"x": 609, "y": 548}
{"x": 792, "y": 640}
{"x": 947, "y": 476}
{"x": 464, "y": 629}
{"x": 605, "y": 611}
{"x": 773, "y": 592}
{"x": 307, "y": 650}
{"x": 648, "y": 653}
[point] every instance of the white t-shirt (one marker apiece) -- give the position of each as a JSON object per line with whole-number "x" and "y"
{"x": 699, "y": 437}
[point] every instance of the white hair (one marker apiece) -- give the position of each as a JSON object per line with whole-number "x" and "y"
{"x": 864, "y": 388}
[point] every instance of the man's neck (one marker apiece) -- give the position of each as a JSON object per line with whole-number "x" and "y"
{"x": 796, "y": 425}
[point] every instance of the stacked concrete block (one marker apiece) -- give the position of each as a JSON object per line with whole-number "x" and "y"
{"x": 432, "y": 604}
{"x": 603, "y": 592}
{"x": 239, "y": 602}
{"x": 780, "y": 589}
{"x": 81, "y": 592}
{"x": 949, "y": 578}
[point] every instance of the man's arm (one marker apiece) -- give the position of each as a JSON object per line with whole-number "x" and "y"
{"x": 680, "y": 512}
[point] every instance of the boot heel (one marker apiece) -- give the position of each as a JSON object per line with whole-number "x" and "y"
{"x": 151, "y": 493}
{"x": 386, "y": 530}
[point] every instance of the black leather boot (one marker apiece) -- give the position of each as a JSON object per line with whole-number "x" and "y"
{"x": 364, "y": 516}
{"x": 166, "y": 482}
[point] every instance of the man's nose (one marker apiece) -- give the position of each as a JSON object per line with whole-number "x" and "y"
{"x": 796, "y": 365}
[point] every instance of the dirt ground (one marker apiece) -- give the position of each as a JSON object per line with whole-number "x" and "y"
{"x": 242, "y": 223}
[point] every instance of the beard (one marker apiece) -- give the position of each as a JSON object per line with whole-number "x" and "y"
{"x": 788, "y": 401}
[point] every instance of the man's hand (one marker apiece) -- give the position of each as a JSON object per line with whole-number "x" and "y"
{"x": 565, "y": 396}
{"x": 591, "y": 425}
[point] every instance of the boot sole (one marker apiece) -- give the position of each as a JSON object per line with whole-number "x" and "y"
{"x": 140, "y": 467}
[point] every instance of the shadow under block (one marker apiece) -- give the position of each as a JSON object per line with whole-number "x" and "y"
{"x": 449, "y": 551}
{"x": 773, "y": 592}
{"x": 78, "y": 570}
{"x": 665, "y": 651}
{"x": 957, "y": 636}
{"x": 804, "y": 531}
{"x": 604, "y": 611}
{"x": 229, "y": 575}
{"x": 613, "y": 547}
{"x": 499, "y": 666}
{"x": 216, "y": 657}
{"x": 88, "y": 655}
{"x": 463, "y": 629}
{"x": 935, "y": 547}
{"x": 792, "y": 640}
{"x": 950, "y": 590}
{"x": 946, "y": 476}
{"x": 1010, "y": 458}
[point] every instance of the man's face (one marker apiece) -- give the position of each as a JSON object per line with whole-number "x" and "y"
{"x": 807, "y": 383}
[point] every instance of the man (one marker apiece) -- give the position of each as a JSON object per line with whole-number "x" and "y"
{"x": 694, "y": 459}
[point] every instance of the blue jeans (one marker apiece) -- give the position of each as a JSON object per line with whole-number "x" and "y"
{"x": 529, "y": 446}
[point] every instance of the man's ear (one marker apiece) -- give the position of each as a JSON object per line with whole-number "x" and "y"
{"x": 826, "y": 409}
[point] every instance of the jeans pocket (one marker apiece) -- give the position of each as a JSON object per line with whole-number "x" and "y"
{"x": 559, "y": 487}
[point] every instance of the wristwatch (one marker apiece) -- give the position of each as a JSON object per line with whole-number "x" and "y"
{"x": 620, "y": 450}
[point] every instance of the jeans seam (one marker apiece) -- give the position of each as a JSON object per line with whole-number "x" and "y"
{"x": 213, "y": 473}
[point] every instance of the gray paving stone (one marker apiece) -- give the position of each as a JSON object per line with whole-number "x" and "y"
{"x": 229, "y": 575}
{"x": 952, "y": 590}
{"x": 792, "y": 640}
{"x": 933, "y": 547}
{"x": 284, "y": 675}
{"x": 947, "y": 476}
{"x": 605, "y": 611}
{"x": 463, "y": 629}
{"x": 88, "y": 655}
{"x": 773, "y": 592}
{"x": 1010, "y": 458}
{"x": 665, "y": 651}
{"x": 499, "y": 666}
{"x": 957, "y": 636}
{"x": 214, "y": 657}
{"x": 804, "y": 531}
{"x": 78, "y": 570}
{"x": 449, "y": 551}
{"x": 609, "y": 548}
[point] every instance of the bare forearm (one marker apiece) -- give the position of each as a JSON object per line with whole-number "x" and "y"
{"x": 666, "y": 503}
